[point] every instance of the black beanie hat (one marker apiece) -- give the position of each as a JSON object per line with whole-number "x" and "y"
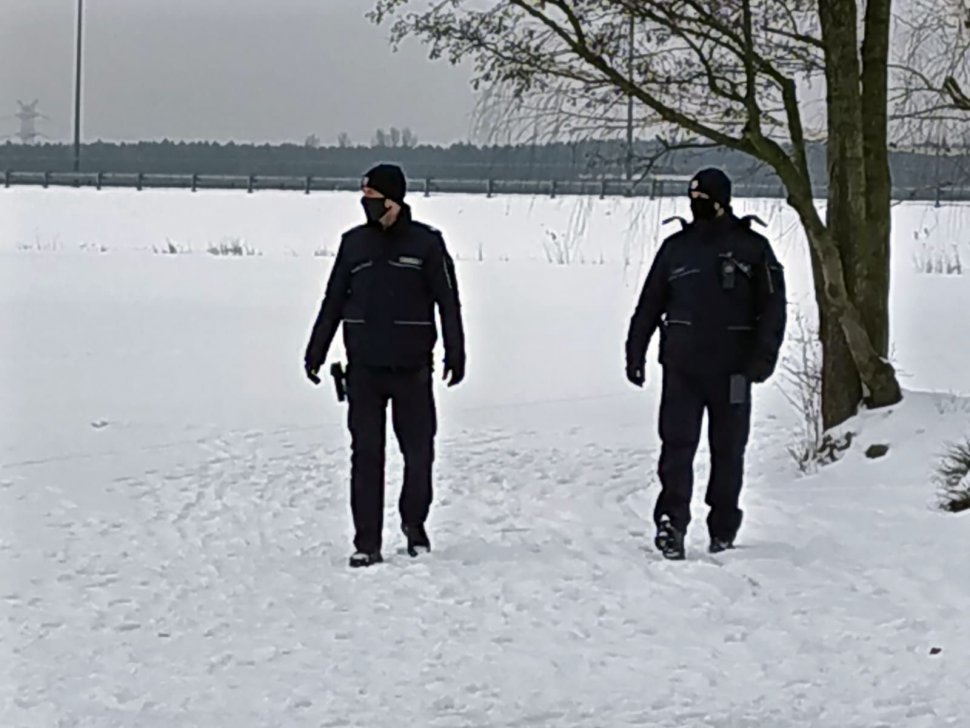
{"x": 713, "y": 183}
{"x": 388, "y": 179}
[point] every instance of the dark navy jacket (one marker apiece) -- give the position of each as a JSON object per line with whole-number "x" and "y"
{"x": 383, "y": 287}
{"x": 716, "y": 291}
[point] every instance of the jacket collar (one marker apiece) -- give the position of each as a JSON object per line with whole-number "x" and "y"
{"x": 719, "y": 224}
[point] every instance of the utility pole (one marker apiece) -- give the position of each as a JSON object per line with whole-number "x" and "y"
{"x": 77, "y": 88}
{"x": 629, "y": 102}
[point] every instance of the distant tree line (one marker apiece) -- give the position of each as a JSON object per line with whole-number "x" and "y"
{"x": 924, "y": 170}
{"x": 392, "y": 138}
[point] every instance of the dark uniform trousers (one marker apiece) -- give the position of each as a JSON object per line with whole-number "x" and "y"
{"x": 411, "y": 396}
{"x": 684, "y": 399}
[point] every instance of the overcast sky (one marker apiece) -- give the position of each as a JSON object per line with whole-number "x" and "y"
{"x": 260, "y": 70}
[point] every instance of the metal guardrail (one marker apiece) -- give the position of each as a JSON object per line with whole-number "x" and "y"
{"x": 658, "y": 186}
{"x": 651, "y": 187}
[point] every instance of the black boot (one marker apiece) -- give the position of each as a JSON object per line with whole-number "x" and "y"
{"x": 720, "y": 544}
{"x": 417, "y": 537}
{"x": 723, "y": 530}
{"x": 669, "y": 541}
{"x": 362, "y": 558}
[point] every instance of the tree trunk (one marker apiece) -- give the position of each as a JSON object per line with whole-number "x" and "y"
{"x": 860, "y": 364}
{"x": 857, "y": 221}
{"x": 841, "y": 384}
{"x": 872, "y": 269}
{"x": 869, "y": 370}
{"x": 846, "y": 209}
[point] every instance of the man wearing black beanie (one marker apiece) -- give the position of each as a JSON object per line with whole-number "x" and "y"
{"x": 717, "y": 294}
{"x": 389, "y": 275}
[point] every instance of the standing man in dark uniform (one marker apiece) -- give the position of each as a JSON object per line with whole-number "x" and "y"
{"x": 717, "y": 293}
{"x": 388, "y": 276}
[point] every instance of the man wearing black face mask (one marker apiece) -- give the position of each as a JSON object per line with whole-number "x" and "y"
{"x": 388, "y": 276}
{"x": 717, "y": 293}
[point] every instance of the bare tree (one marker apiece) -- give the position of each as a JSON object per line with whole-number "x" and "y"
{"x": 343, "y": 140}
{"x": 408, "y": 139}
{"x": 931, "y": 65}
{"x": 381, "y": 140}
{"x": 723, "y": 72}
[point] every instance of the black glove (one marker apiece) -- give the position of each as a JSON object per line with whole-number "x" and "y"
{"x": 455, "y": 367}
{"x": 311, "y": 372}
{"x": 635, "y": 374}
{"x": 759, "y": 369}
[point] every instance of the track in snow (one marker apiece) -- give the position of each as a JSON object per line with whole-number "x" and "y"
{"x": 224, "y": 599}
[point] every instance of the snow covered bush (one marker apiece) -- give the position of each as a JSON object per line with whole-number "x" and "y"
{"x": 171, "y": 248}
{"x": 953, "y": 476}
{"x": 39, "y": 246}
{"x": 563, "y": 247}
{"x": 560, "y": 248}
{"x": 801, "y": 385}
{"x": 938, "y": 260}
{"x": 234, "y": 247}
{"x": 952, "y": 403}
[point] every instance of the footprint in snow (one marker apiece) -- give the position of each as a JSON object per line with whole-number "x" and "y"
{"x": 99, "y": 424}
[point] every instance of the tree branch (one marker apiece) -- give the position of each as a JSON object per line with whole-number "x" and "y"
{"x": 952, "y": 89}
{"x": 799, "y": 37}
{"x": 712, "y": 78}
{"x": 626, "y": 85}
{"x": 751, "y": 74}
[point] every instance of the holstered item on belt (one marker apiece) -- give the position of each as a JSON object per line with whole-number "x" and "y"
{"x": 339, "y": 381}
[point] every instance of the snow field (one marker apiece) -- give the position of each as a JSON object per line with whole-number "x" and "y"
{"x": 176, "y": 524}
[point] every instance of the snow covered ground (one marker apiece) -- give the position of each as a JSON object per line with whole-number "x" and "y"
{"x": 175, "y": 525}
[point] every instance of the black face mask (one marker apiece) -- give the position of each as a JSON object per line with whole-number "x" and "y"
{"x": 703, "y": 208}
{"x": 374, "y": 208}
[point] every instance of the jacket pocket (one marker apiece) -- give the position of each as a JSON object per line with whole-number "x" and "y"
{"x": 677, "y": 341}
{"x": 682, "y": 272}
